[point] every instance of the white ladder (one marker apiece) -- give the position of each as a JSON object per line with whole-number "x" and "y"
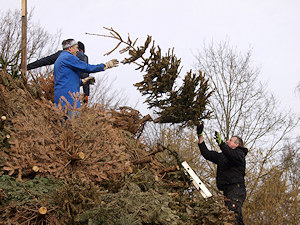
{"x": 196, "y": 181}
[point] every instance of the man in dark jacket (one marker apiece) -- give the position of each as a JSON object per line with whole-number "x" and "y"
{"x": 83, "y": 57}
{"x": 231, "y": 165}
{"x": 50, "y": 60}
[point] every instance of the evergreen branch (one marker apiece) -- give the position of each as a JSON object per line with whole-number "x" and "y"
{"x": 185, "y": 105}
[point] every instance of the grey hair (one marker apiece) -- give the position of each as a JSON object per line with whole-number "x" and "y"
{"x": 68, "y": 43}
{"x": 239, "y": 141}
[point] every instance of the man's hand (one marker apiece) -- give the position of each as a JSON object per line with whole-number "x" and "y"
{"x": 88, "y": 80}
{"x": 111, "y": 63}
{"x": 200, "y": 129}
{"x": 218, "y": 137}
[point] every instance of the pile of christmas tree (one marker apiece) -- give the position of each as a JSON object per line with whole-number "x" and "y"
{"x": 95, "y": 168}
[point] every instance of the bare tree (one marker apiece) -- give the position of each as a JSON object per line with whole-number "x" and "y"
{"x": 104, "y": 94}
{"x": 39, "y": 41}
{"x": 240, "y": 103}
{"x": 242, "y": 106}
{"x": 290, "y": 161}
{"x": 297, "y": 89}
{"x": 276, "y": 200}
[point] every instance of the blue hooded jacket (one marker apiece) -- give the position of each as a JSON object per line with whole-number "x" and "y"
{"x": 67, "y": 69}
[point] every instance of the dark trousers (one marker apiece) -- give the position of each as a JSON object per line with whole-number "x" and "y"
{"x": 236, "y": 195}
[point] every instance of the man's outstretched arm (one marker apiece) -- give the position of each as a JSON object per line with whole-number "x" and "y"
{"x": 48, "y": 60}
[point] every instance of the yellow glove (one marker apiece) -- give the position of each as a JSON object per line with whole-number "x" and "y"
{"x": 111, "y": 63}
{"x": 218, "y": 137}
{"x": 88, "y": 80}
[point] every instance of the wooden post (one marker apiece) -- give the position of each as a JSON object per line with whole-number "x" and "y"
{"x": 24, "y": 39}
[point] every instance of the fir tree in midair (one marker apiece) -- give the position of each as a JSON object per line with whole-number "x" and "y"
{"x": 184, "y": 105}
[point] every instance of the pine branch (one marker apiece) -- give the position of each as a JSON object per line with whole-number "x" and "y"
{"x": 185, "y": 105}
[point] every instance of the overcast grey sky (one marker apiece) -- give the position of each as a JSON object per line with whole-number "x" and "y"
{"x": 270, "y": 27}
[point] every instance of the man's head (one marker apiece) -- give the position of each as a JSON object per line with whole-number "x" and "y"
{"x": 71, "y": 46}
{"x": 235, "y": 141}
{"x": 81, "y": 46}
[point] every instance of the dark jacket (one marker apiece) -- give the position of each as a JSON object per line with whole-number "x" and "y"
{"x": 231, "y": 164}
{"x": 83, "y": 57}
{"x": 50, "y": 60}
{"x": 46, "y": 61}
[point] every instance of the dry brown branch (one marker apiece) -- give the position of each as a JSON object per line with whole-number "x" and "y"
{"x": 158, "y": 149}
{"x": 30, "y": 172}
{"x": 130, "y": 120}
{"x": 90, "y": 147}
{"x": 170, "y": 169}
{"x": 174, "y": 185}
{"x": 32, "y": 214}
{"x": 142, "y": 161}
{"x": 7, "y": 136}
{"x": 77, "y": 156}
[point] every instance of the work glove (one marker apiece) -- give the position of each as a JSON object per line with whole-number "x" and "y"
{"x": 200, "y": 129}
{"x": 111, "y": 63}
{"x": 88, "y": 80}
{"x": 218, "y": 137}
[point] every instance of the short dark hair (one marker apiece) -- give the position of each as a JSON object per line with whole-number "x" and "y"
{"x": 81, "y": 46}
{"x": 239, "y": 141}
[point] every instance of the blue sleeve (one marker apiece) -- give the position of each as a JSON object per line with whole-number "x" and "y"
{"x": 235, "y": 155}
{"x": 77, "y": 64}
{"x": 209, "y": 155}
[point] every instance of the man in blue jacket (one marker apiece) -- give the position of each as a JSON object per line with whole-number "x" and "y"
{"x": 49, "y": 60}
{"x": 67, "y": 69}
{"x": 231, "y": 165}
